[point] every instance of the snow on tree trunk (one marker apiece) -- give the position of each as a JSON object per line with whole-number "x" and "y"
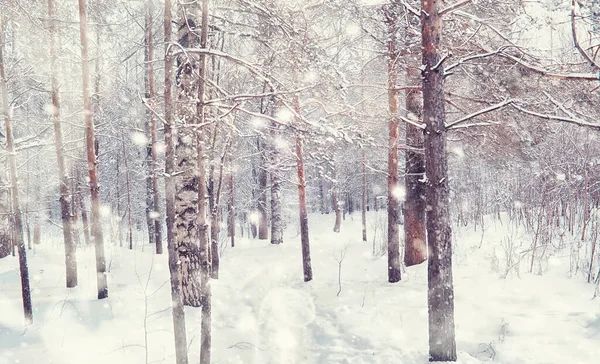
{"x": 17, "y": 228}
{"x": 178, "y": 312}
{"x": 442, "y": 343}
{"x": 96, "y": 226}
{"x": 276, "y": 181}
{"x": 5, "y": 230}
{"x": 363, "y": 207}
{"x": 393, "y": 240}
{"x": 65, "y": 193}
{"x": 187, "y": 179}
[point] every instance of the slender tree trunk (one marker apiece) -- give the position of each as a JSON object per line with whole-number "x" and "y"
{"x": 415, "y": 240}
{"x": 363, "y": 211}
{"x": 393, "y": 239}
{"x": 303, "y": 212}
{"x": 263, "y": 216}
{"x": 149, "y": 93}
{"x": 230, "y": 204}
{"x": 336, "y": 204}
{"x": 276, "y": 213}
{"x": 27, "y": 199}
{"x": 178, "y": 312}
{"x": 65, "y": 194}
{"x": 12, "y": 169}
{"x": 129, "y": 219}
{"x": 91, "y": 158}
{"x": 153, "y": 139}
{"x": 442, "y": 342}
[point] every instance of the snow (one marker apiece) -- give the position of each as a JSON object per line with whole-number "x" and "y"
{"x": 264, "y": 313}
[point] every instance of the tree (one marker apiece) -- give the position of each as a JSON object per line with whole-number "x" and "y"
{"x": 17, "y": 229}
{"x": 178, "y": 312}
{"x": 67, "y": 217}
{"x": 442, "y": 342}
{"x": 391, "y": 13}
{"x": 90, "y": 140}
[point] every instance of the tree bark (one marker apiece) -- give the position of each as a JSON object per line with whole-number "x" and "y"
{"x": 12, "y": 171}
{"x": 96, "y": 225}
{"x": 148, "y": 163}
{"x": 363, "y": 212}
{"x": 415, "y": 240}
{"x": 231, "y": 205}
{"x": 128, "y": 187}
{"x": 153, "y": 138}
{"x": 303, "y": 212}
{"x": 276, "y": 181}
{"x": 393, "y": 239}
{"x": 206, "y": 294}
{"x": 263, "y": 216}
{"x": 65, "y": 194}
{"x": 178, "y": 312}
{"x": 442, "y": 342}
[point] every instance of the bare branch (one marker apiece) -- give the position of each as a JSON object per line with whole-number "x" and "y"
{"x": 575, "y": 121}
{"x": 576, "y": 40}
{"x": 454, "y": 6}
{"x": 410, "y": 8}
{"x": 477, "y": 113}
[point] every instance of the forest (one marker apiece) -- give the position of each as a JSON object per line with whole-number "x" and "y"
{"x": 290, "y": 182}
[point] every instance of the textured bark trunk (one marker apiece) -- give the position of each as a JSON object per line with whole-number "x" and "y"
{"x": 263, "y": 216}
{"x": 338, "y": 211}
{"x": 393, "y": 243}
{"x": 178, "y": 312}
{"x": 12, "y": 172}
{"x": 276, "y": 181}
{"x": 187, "y": 169}
{"x": 27, "y": 199}
{"x": 306, "y": 261}
{"x": 206, "y": 298}
{"x": 65, "y": 194}
{"x": 442, "y": 343}
{"x": 96, "y": 225}
{"x": 415, "y": 240}
{"x": 5, "y": 223}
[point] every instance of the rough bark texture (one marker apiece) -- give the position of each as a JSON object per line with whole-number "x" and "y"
{"x": 306, "y": 263}
{"x": 17, "y": 228}
{"x": 206, "y": 298}
{"x": 393, "y": 240}
{"x": 442, "y": 343}
{"x": 178, "y": 312}
{"x": 415, "y": 243}
{"x": 276, "y": 181}
{"x": 65, "y": 193}
{"x": 96, "y": 227}
{"x": 186, "y": 181}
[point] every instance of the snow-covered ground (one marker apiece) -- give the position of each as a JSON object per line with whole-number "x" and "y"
{"x": 264, "y": 313}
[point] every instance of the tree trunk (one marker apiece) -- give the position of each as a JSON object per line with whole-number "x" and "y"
{"x": 306, "y": 263}
{"x": 65, "y": 193}
{"x": 442, "y": 342}
{"x": 128, "y": 187}
{"x": 153, "y": 138}
{"x": 415, "y": 243}
{"x": 276, "y": 181}
{"x": 393, "y": 243}
{"x": 178, "y": 312}
{"x": 206, "y": 294}
{"x": 149, "y": 93}
{"x": 263, "y": 217}
{"x": 363, "y": 211}
{"x": 12, "y": 171}
{"x": 91, "y": 158}
{"x": 230, "y": 205}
